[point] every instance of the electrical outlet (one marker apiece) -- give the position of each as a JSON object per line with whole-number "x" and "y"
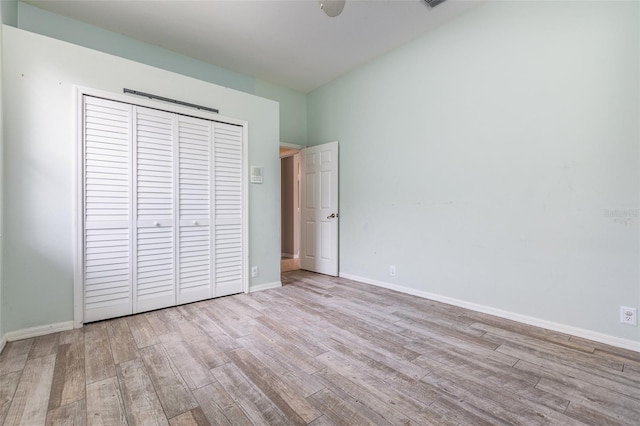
{"x": 254, "y": 271}
{"x": 628, "y": 315}
{"x": 392, "y": 270}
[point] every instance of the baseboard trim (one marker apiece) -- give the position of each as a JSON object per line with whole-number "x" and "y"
{"x": 538, "y": 322}
{"x": 3, "y": 343}
{"x": 265, "y": 286}
{"x": 40, "y": 330}
{"x": 287, "y": 255}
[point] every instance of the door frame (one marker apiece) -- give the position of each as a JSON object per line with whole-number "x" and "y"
{"x": 80, "y": 92}
{"x": 295, "y": 152}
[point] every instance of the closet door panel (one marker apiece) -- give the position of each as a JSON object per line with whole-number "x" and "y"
{"x": 195, "y": 140}
{"x": 106, "y": 183}
{"x": 228, "y": 185}
{"x": 154, "y": 173}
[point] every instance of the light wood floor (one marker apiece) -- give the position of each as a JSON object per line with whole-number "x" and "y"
{"x": 288, "y": 265}
{"x": 318, "y": 351}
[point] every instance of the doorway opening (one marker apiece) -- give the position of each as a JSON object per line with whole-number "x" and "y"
{"x": 309, "y": 210}
{"x": 290, "y": 207}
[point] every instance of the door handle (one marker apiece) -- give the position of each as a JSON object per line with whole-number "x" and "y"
{"x": 332, "y": 215}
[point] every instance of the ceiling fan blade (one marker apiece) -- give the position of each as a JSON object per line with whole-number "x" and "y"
{"x": 332, "y": 8}
{"x": 432, "y": 3}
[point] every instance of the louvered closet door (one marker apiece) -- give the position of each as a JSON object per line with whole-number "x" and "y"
{"x": 163, "y": 209}
{"x": 154, "y": 283}
{"x": 106, "y": 183}
{"x": 228, "y": 189}
{"x": 195, "y": 141}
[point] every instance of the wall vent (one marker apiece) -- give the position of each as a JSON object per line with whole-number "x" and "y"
{"x": 432, "y": 3}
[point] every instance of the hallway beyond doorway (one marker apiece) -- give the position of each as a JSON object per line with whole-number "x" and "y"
{"x": 288, "y": 264}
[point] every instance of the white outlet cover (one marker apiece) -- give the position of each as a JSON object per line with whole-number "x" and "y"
{"x": 628, "y": 315}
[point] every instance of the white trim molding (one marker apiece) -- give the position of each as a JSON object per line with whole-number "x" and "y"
{"x": 265, "y": 286}
{"x": 40, "y": 330}
{"x": 290, "y": 145}
{"x": 525, "y": 319}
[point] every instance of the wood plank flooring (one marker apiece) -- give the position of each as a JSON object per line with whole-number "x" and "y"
{"x": 318, "y": 351}
{"x": 288, "y": 265}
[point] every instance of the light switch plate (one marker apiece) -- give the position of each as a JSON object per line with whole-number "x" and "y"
{"x": 256, "y": 174}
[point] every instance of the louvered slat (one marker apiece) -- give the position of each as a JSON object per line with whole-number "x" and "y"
{"x": 194, "y": 251}
{"x": 155, "y": 275}
{"x": 107, "y": 138}
{"x": 228, "y": 236}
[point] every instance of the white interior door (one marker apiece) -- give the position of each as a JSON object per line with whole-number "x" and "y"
{"x": 319, "y": 205}
{"x": 229, "y": 263}
{"x": 195, "y": 147}
{"x": 106, "y": 204}
{"x": 154, "y": 278}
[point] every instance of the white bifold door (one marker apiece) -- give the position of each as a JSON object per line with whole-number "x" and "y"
{"x": 163, "y": 212}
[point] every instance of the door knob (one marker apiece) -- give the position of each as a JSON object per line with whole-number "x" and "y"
{"x": 332, "y": 215}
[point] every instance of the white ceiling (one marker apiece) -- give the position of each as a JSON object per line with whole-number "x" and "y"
{"x": 291, "y": 43}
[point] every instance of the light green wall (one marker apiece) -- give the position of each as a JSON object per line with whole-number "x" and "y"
{"x": 495, "y": 161}
{"x": 39, "y": 165}
{"x": 292, "y": 104}
{"x": 293, "y": 111}
{"x": 9, "y": 11}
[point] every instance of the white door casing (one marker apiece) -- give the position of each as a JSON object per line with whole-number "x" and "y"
{"x": 319, "y": 209}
